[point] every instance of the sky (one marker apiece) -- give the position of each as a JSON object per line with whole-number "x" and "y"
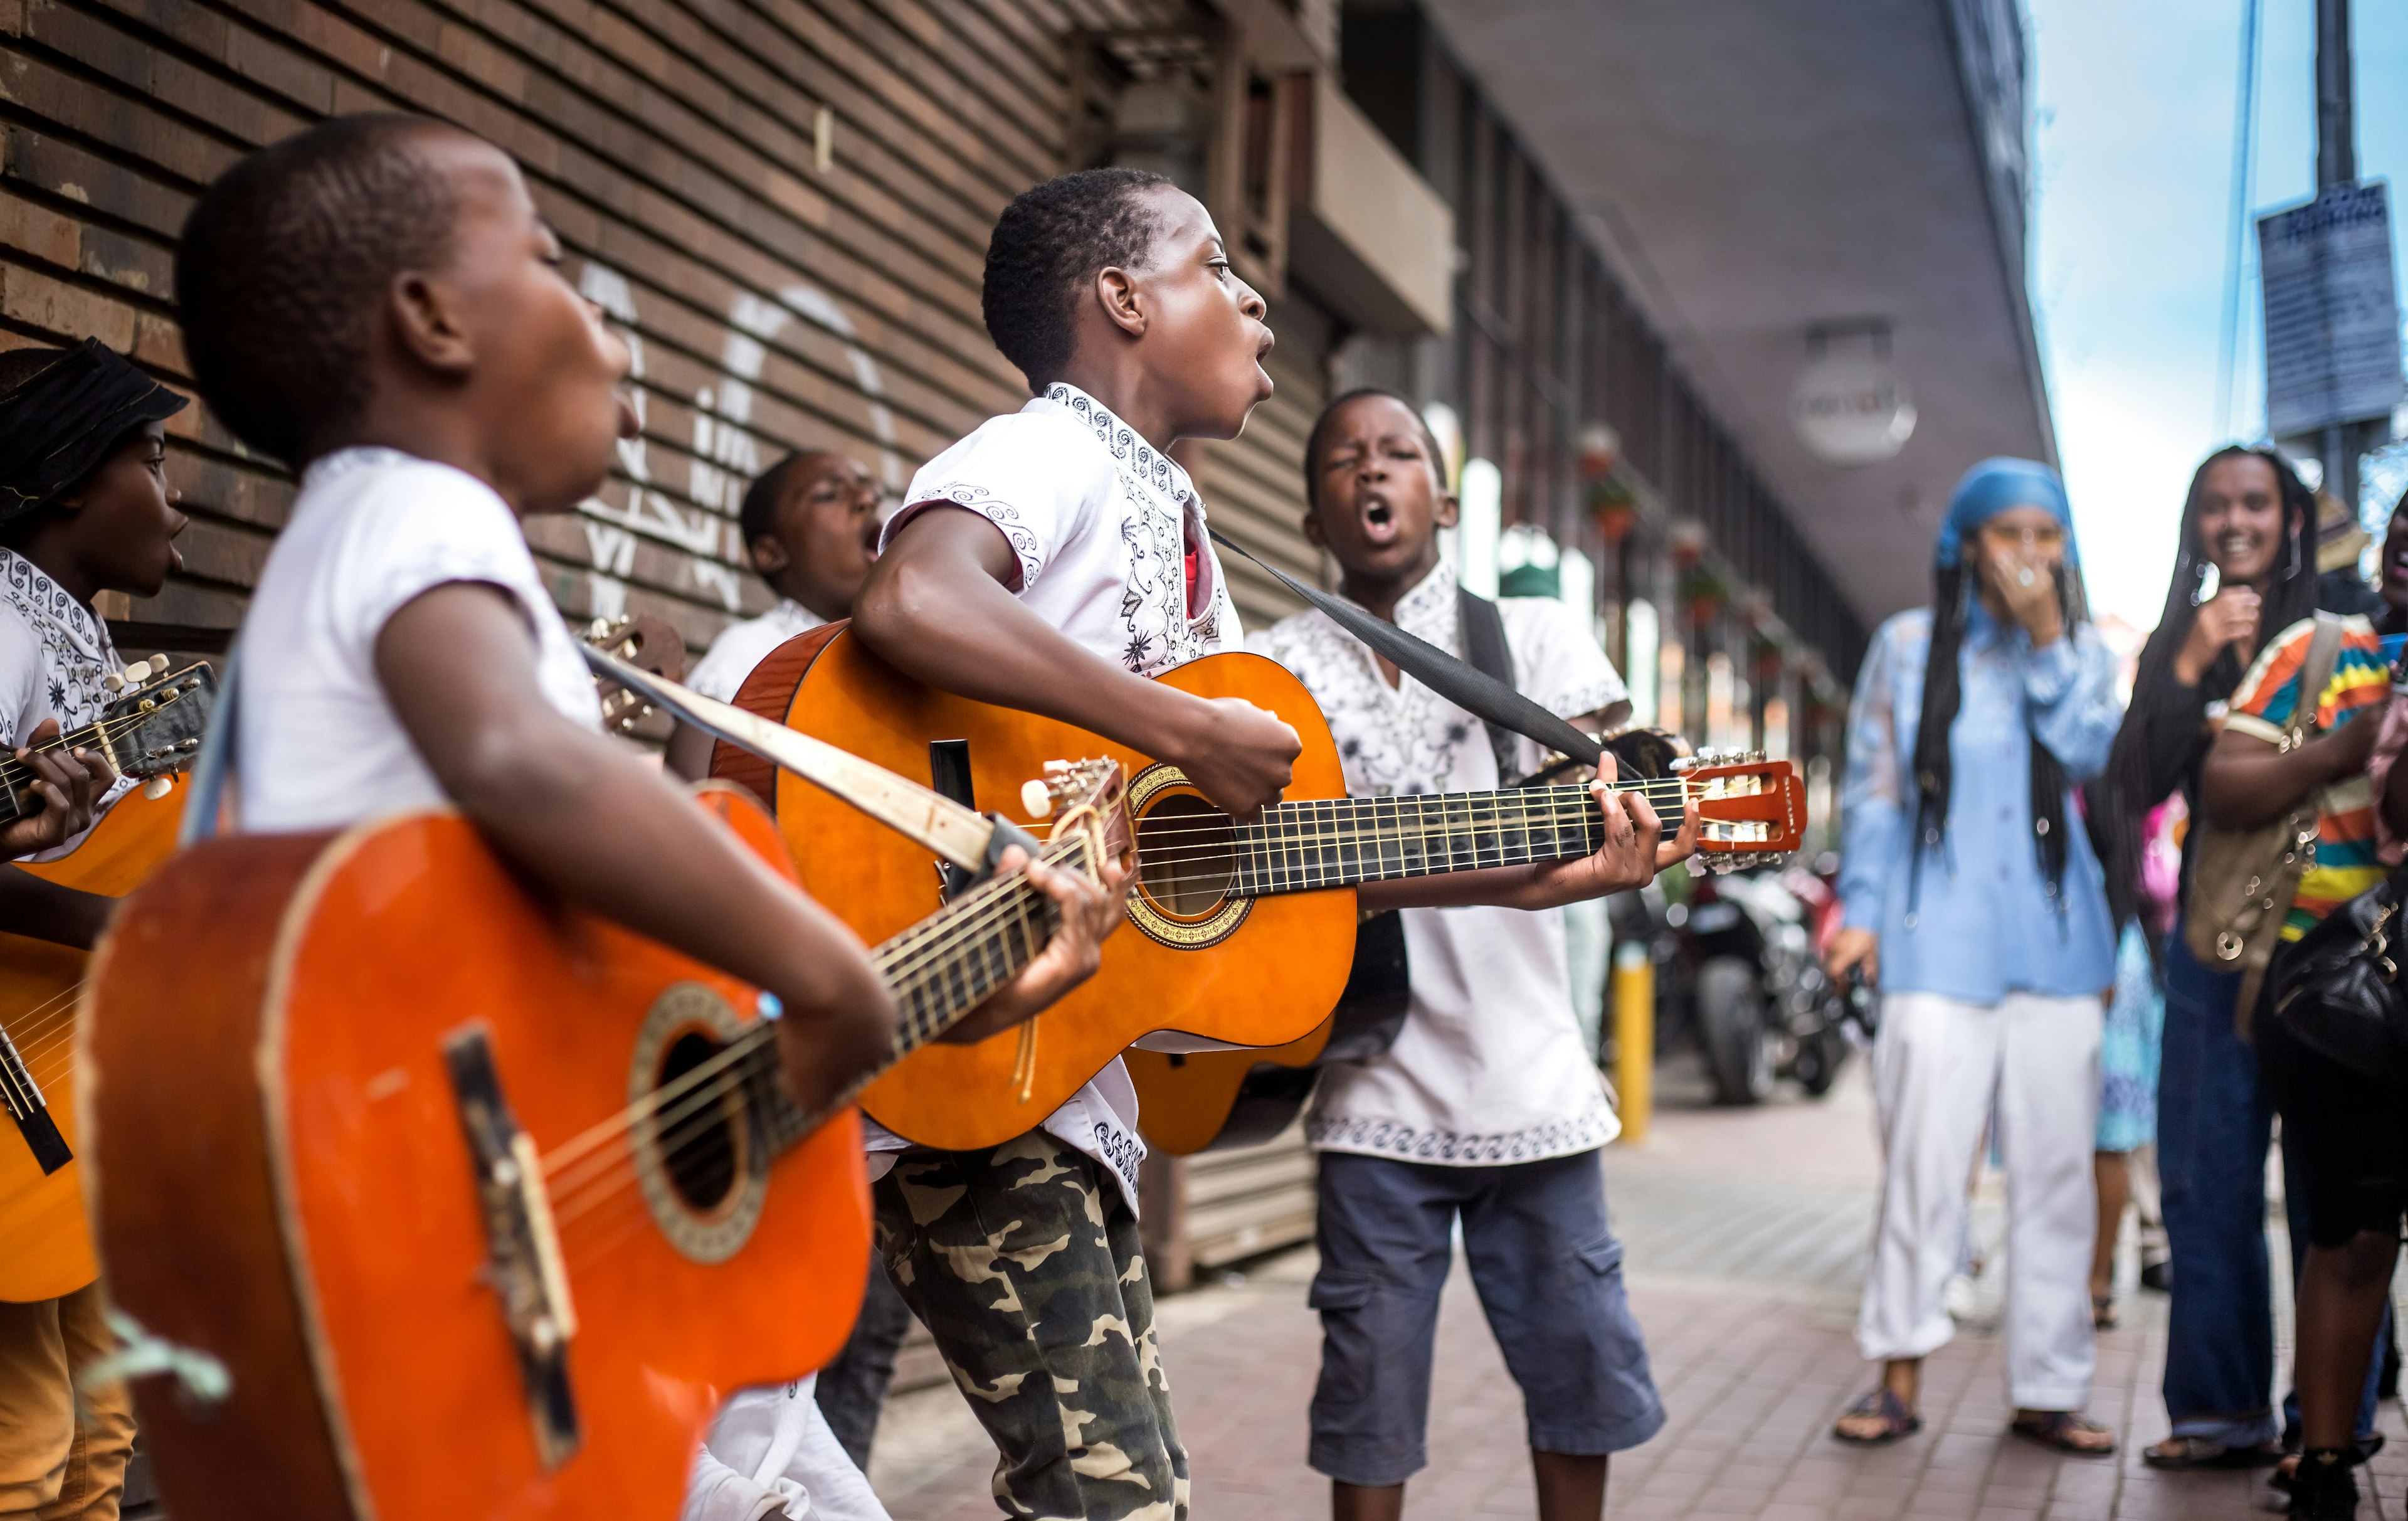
{"x": 2132, "y": 156}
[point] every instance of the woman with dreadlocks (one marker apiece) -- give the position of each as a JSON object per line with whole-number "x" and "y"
{"x": 1973, "y": 898}
{"x": 2247, "y": 566}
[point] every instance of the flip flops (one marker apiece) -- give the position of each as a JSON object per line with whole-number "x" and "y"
{"x": 1897, "y": 1422}
{"x": 2183, "y": 1455}
{"x": 2055, "y": 1430}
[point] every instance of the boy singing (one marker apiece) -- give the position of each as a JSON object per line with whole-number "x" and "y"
{"x": 1051, "y": 561}
{"x": 1486, "y": 1110}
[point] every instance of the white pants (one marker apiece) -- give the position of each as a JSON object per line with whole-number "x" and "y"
{"x": 1938, "y": 1064}
{"x": 770, "y": 1457}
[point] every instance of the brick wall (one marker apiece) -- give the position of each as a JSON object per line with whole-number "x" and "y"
{"x": 777, "y": 295}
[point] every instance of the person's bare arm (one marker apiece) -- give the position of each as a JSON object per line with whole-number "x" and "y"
{"x": 689, "y": 752}
{"x": 586, "y": 818}
{"x": 936, "y": 608}
{"x": 47, "y": 911}
{"x": 2246, "y": 780}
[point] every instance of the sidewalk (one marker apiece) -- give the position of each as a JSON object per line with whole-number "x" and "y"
{"x": 1747, "y": 1234}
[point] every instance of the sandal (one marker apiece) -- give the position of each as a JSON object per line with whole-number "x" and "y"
{"x": 2288, "y": 1463}
{"x": 2102, "y": 1313}
{"x": 2179, "y": 1455}
{"x": 2056, "y": 1429}
{"x": 1897, "y": 1422}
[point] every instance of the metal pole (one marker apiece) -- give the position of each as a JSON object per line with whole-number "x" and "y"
{"x": 2336, "y": 165}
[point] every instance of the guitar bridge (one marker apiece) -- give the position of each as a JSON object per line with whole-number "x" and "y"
{"x": 523, "y": 1268}
{"x": 31, "y": 1111}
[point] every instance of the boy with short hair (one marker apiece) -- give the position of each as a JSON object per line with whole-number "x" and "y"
{"x": 376, "y": 301}
{"x": 810, "y": 524}
{"x": 1486, "y": 1110}
{"x": 1051, "y": 561}
{"x": 85, "y": 508}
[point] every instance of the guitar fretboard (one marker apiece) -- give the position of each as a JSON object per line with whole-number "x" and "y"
{"x": 940, "y": 969}
{"x": 1339, "y": 841}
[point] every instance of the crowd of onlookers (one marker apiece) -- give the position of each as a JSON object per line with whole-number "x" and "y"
{"x": 2093, "y": 925}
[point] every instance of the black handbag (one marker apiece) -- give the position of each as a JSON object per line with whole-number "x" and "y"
{"x": 2338, "y": 990}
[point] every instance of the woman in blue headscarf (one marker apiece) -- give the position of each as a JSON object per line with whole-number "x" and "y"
{"x": 1973, "y": 900}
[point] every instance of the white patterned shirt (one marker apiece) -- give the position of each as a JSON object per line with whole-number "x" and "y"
{"x": 742, "y": 646}
{"x": 1490, "y": 1066}
{"x": 54, "y": 656}
{"x": 1100, "y": 521}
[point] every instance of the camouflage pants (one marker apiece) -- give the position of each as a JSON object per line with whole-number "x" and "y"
{"x": 1023, "y": 1262}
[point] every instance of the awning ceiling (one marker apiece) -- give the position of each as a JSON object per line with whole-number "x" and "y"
{"x": 1754, "y": 169}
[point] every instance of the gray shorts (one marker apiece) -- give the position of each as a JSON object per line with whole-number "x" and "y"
{"x": 1549, "y": 1276}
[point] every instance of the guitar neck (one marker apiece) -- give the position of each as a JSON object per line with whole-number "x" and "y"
{"x": 18, "y": 797}
{"x": 942, "y": 968}
{"x": 1341, "y": 841}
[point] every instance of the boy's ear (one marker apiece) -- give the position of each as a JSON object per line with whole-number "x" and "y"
{"x": 427, "y": 324}
{"x": 1117, "y": 290}
{"x": 769, "y": 556}
{"x": 1312, "y": 530}
{"x": 1448, "y": 511}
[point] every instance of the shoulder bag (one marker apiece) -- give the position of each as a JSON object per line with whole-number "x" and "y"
{"x": 2242, "y": 881}
{"x": 2338, "y": 989}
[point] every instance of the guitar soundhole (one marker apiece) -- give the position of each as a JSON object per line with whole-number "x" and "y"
{"x": 704, "y": 1174}
{"x": 700, "y": 1148}
{"x": 1186, "y": 858}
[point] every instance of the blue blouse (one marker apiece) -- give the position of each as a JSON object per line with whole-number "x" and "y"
{"x": 1984, "y": 925}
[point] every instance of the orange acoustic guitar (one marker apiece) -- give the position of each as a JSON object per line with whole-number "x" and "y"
{"x": 1245, "y": 933}
{"x": 155, "y": 727}
{"x": 485, "y": 1203}
{"x": 152, "y": 728}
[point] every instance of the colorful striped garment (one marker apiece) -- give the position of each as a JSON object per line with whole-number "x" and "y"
{"x": 2262, "y": 705}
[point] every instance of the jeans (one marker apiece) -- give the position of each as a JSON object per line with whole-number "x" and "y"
{"x": 2215, "y": 1122}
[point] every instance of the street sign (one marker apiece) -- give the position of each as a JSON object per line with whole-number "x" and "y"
{"x": 2332, "y": 311}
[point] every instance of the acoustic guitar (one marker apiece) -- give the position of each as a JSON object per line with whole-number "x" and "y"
{"x": 485, "y": 1202}
{"x": 1213, "y": 1100}
{"x": 1245, "y": 932}
{"x": 151, "y": 728}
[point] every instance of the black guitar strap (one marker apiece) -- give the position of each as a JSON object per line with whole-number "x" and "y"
{"x": 1474, "y": 691}
{"x": 1485, "y": 650}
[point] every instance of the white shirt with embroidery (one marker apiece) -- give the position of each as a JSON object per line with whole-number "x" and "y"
{"x": 1490, "y": 1066}
{"x": 742, "y": 646}
{"x": 1100, "y": 521}
{"x": 54, "y": 654}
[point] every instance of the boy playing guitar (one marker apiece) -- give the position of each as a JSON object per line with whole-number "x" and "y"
{"x": 1051, "y": 561}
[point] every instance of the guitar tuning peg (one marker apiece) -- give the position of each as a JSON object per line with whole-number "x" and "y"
{"x": 1036, "y": 798}
{"x": 158, "y": 787}
{"x": 159, "y": 663}
{"x": 137, "y": 673}
{"x": 114, "y": 682}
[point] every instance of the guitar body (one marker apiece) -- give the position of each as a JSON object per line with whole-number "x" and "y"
{"x": 1252, "y": 972}
{"x": 1216, "y": 1101}
{"x": 289, "y": 1186}
{"x": 42, "y": 1217}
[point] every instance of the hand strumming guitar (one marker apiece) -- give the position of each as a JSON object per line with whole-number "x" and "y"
{"x": 1090, "y": 910}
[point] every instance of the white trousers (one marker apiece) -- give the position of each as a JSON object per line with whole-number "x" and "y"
{"x": 770, "y": 1457}
{"x": 1938, "y": 1066}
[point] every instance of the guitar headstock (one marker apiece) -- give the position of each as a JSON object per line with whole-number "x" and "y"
{"x": 153, "y": 726}
{"x": 1749, "y": 810}
{"x": 1086, "y": 794}
{"x": 641, "y": 640}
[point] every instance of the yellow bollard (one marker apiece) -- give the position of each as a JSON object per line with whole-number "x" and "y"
{"x": 1634, "y": 1036}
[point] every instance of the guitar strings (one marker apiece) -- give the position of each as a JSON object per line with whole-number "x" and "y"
{"x": 903, "y": 960}
{"x": 578, "y": 1199}
{"x": 13, "y": 771}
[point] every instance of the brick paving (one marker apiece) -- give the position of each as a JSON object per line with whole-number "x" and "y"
{"x": 1746, "y": 1233}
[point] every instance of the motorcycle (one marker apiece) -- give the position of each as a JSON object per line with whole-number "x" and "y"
{"x": 1749, "y": 944}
